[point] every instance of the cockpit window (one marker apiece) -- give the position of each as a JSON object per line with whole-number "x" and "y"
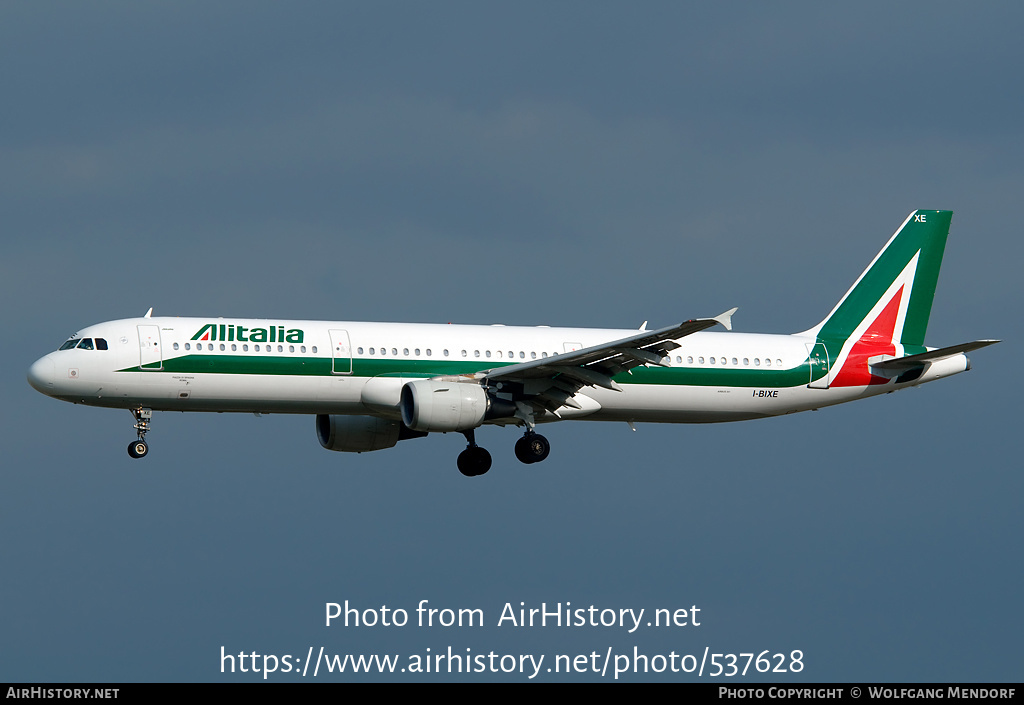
{"x": 85, "y": 344}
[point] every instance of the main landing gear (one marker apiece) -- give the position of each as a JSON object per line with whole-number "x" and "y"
{"x": 531, "y": 448}
{"x": 474, "y": 460}
{"x": 139, "y": 448}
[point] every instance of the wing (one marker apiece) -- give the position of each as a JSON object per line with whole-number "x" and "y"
{"x": 550, "y": 383}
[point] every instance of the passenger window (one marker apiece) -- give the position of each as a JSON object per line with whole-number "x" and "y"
{"x": 280, "y": 348}
{"x": 405, "y": 351}
{"x": 416, "y": 352}
{"x": 314, "y": 348}
{"x": 700, "y": 360}
{"x": 463, "y": 353}
{"x": 476, "y": 353}
{"x": 533, "y": 355}
{"x": 175, "y": 346}
{"x": 245, "y": 348}
{"x": 767, "y": 362}
{"x": 429, "y": 353}
{"x": 222, "y": 347}
{"x": 757, "y": 362}
{"x": 746, "y": 361}
{"x": 199, "y": 346}
{"x": 488, "y": 353}
{"x": 303, "y": 349}
{"x": 188, "y": 346}
{"x": 522, "y": 354}
{"x": 689, "y": 359}
{"x": 291, "y": 348}
{"x": 711, "y": 360}
{"x": 234, "y": 347}
{"x": 778, "y": 363}
{"x": 101, "y": 344}
{"x": 256, "y": 347}
{"x": 446, "y": 352}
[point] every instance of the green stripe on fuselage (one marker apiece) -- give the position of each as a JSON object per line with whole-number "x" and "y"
{"x": 324, "y": 367}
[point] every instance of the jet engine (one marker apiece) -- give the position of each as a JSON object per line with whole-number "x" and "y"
{"x": 440, "y": 405}
{"x": 357, "y": 434}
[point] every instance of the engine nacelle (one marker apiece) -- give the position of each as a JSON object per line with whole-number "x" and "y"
{"x": 357, "y": 434}
{"x": 438, "y": 405}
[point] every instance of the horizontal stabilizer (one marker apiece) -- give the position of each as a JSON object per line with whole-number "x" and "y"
{"x": 905, "y": 363}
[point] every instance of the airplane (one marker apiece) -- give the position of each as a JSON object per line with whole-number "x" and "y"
{"x": 371, "y": 385}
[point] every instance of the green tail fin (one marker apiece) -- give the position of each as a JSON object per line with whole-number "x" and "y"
{"x": 898, "y": 285}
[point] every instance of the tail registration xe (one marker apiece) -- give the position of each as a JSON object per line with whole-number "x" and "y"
{"x": 371, "y": 385}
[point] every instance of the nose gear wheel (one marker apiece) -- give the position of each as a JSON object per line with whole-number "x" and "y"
{"x": 139, "y": 448}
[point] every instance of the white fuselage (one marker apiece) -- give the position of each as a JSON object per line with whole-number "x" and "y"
{"x": 358, "y": 368}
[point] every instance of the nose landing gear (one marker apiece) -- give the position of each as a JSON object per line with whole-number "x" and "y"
{"x": 139, "y": 448}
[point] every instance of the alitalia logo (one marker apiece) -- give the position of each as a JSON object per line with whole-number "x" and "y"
{"x": 230, "y": 332}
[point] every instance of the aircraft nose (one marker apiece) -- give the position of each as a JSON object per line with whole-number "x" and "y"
{"x": 40, "y": 374}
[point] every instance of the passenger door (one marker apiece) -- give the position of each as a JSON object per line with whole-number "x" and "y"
{"x": 818, "y": 362}
{"x": 341, "y": 352}
{"x": 150, "y": 354}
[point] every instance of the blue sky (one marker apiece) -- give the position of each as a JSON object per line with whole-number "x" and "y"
{"x": 592, "y": 164}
